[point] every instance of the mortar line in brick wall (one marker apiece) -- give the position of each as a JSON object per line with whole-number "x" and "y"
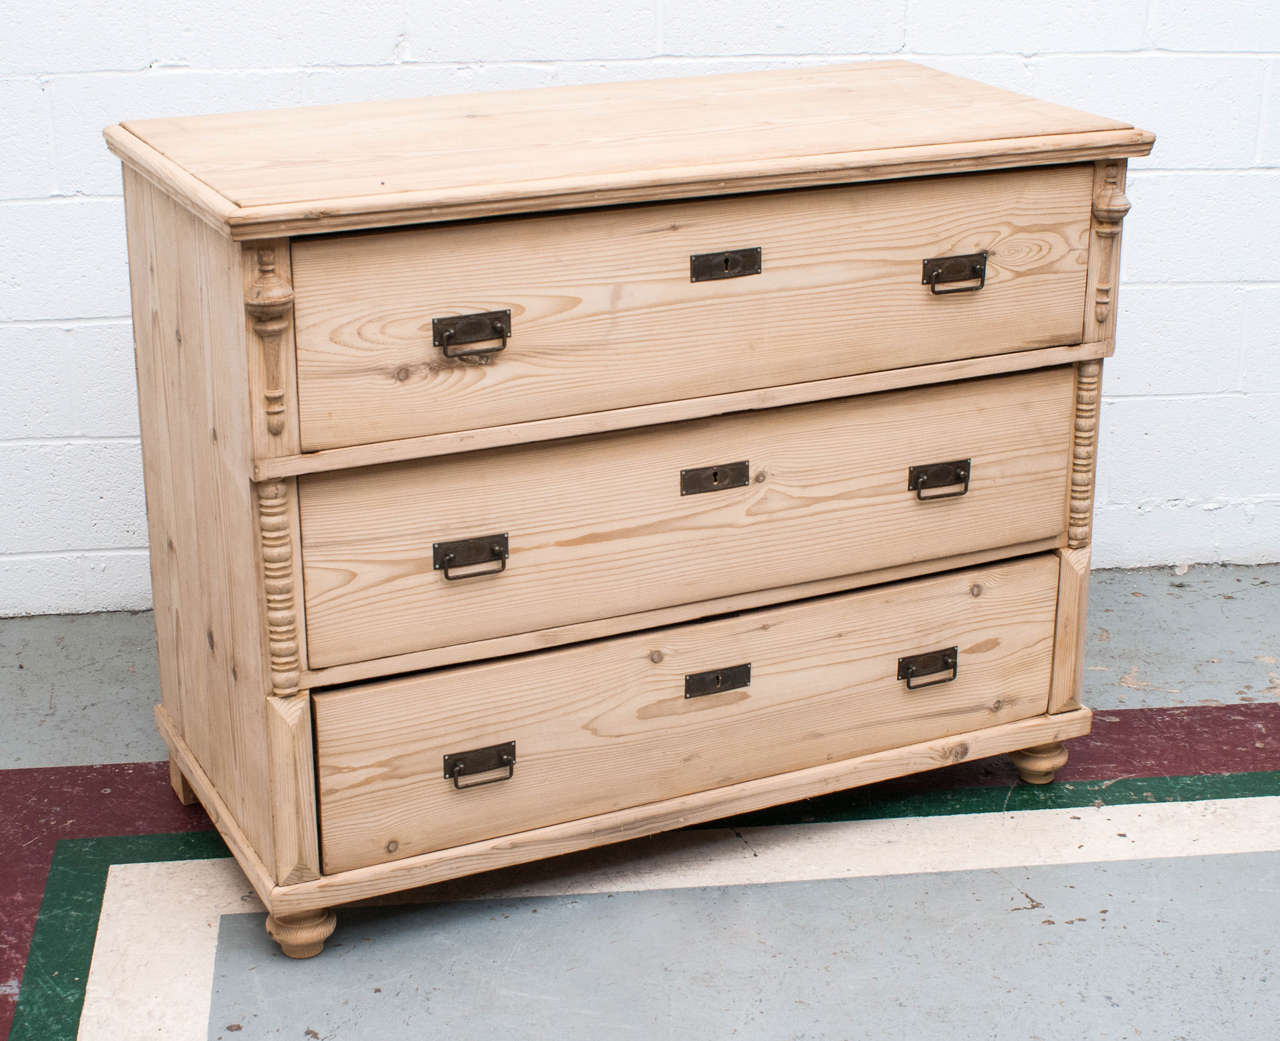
{"x": 1149, "y": 173}
{"x": 1169, "y": 284}
{"x": 1143, "y": 52}
{"x": 58, "y": 199}
{"x": 655, "y": 59}
{"x": 1251, "y": 395}
{"x": 69, "y": 439}
{"x": 45, "y": 554}
{"x": 1187, "y": 502}
{"x": 1183, "y": 502}
{"x": 68, "y": 323}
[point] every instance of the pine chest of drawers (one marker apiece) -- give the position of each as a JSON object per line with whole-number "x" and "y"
{"x": 531, "y": 471}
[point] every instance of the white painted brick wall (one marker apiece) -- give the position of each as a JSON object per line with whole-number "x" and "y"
{"x": 1191, "y": 423}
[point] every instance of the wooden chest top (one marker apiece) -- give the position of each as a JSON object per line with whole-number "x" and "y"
{"x": 376, "y": 164}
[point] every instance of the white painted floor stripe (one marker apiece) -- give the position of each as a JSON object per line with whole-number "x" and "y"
{"x": 153, "y": 961}
{"x": 152, "y": 970}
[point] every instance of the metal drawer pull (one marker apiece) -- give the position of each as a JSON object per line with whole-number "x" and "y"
{"x": 447, "y": 333}
{"x": 715, "y": 478}
{"x": 963, "y": 268}
{"x": 939, "y": 475}
{"x": 465, "y": 553}
{"x": 458, "y": 765}
{"x": 929, "y": 664}
{"x": 716, "y": 681}
{"x": 733, "y": 263}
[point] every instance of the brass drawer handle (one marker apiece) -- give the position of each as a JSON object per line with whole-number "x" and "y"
{"x": 458, "y": 765}
{"x": 940, "y": 475}
{"x": 929, "y": 664}
{"x": 963, "y": 268}
{"x": 448, "y": 557}
{"x": 447, "y": 333}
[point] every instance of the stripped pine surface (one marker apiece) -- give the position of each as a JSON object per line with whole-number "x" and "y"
{"x": 280, "y": 351}
{"x": 560, "y": 635}
{"x": 598, "y": 527}
{"x": 211, "y": 624}
{"x": 604, "y": 314}
{"x": 429, "y": 446}
{"x": 607, "y": 725}
{"x": 304, "y": 170}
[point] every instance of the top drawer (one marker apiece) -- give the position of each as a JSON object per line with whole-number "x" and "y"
{"x": 604, "y": 312}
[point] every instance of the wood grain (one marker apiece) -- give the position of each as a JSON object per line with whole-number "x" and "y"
{"x": 388, "y": 162}
{"x": 1069, "y": 643}
{"x": 279, "y": 539}
{"x": 1084, "y": 452}
{"x": 189, "y": 338}
{"x": 598, "y": 527}
{"x": 167, "y": 177}
{"x": 221, "y": 815}
{"x": 607, "y": 725}
{"x": 431, "y": 445}
{"x": 298, "y": 467}
{"x": 293, "y": 789}
{"x": 490, "y": 854}
{"x": 1110, "y": 205}
{"x": 604, "y": 315}
{"x": 595, "y": 628}
{"x": 268, "y": 307}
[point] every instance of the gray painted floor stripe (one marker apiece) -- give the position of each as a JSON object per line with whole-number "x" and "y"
{"x": 1170, "y": 949}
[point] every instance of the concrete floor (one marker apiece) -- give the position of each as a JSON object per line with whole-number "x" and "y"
{"x": 78, "y": 689}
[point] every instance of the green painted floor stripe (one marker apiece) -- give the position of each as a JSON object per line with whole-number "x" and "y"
{"x": 53, "y": 985}
{"x": 62, "y": 947}
{"x": 870, "y": 804}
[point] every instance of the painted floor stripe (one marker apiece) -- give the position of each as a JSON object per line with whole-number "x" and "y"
{"x": 152, "y": 972}
{"x": 53, "y": 988}
{"x": 1176, "y": 754}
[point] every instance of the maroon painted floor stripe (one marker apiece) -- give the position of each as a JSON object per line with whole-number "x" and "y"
{"x": 1178, "y": 742}
{"x": 1152, "y": 742}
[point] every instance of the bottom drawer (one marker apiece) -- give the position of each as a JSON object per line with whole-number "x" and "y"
{"x": 654, "y": 715}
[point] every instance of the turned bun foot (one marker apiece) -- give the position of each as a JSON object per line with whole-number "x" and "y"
{"x": 1039, "y": 765}
{"x": 302, "y": 935}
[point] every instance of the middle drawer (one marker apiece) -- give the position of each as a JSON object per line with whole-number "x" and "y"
{"x": 598, "y": 527}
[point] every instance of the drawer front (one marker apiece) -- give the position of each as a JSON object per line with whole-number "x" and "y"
{"x": 606, "y": 725}
{"x": 606, "y": 526}
{"x": 604, "y": 312}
